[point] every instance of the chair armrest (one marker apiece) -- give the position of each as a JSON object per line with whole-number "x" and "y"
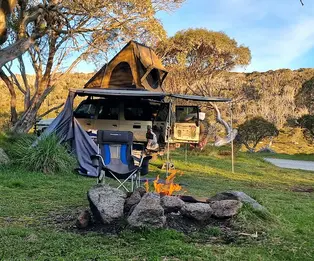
{"x": 144, "y": 160}
{"x": 96, "y": 160}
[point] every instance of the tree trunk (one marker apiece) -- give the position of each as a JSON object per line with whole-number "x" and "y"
{"x": 10, "y": 86}
{"x": 15, "y": 50}
{"x": 28, "y": 118}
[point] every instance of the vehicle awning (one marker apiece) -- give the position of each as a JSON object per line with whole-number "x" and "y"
{"x": 120, "y": 92}
{"x": 101, "y": 92}
{"x": 199, "y": 98}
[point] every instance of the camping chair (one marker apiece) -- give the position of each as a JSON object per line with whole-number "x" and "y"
{"x": 115, "y": 160}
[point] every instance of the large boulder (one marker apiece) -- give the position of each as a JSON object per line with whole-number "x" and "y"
{"x": 106, "y": 203}
{"x": 198, "y": 211}
{"x": 4, "y": 159}
{"x": 134, "y": 199}
{"x": 171, "y": 203}
{"x": 148, "y": 213}
{"x": 225, "y": 208}
{"x": 240, "y": 196}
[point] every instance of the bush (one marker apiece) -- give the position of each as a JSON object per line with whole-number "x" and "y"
{"x": 48, "y": 156}
{"x": 251, "y": 132}
{"x": 306, "y": 122}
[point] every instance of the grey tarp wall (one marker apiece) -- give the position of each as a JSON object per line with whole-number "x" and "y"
{"x": 68, "y": 129}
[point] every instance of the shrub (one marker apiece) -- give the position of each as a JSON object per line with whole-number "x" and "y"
{"x": 48, "y": 156}
{"x": 251, "y": 132}
{"x": 306, "y": 122}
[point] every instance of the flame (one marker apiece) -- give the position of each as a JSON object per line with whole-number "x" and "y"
{"x": 169, "y": 187}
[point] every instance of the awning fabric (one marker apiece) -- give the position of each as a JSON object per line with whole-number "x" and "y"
{"x": 68, "y": 129}
{"x": 144, "y": 94}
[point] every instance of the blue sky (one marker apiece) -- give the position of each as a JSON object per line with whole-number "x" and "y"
{"x": 280, "y": 33}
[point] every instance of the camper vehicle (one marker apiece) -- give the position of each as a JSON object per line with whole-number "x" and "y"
{"x": 136, "y": 111}
{"x": 135, "y": 114}
{"x": 126, "y": 95}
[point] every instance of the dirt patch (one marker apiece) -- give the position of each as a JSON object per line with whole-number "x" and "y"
{"x": 213, "y": 231}
{"x": 302, "y": 189}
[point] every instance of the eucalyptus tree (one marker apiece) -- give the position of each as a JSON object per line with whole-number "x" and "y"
{"x": 197, "y": 56}
{"x": 58, "y": 35}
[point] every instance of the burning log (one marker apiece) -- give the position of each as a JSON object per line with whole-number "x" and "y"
{"x": 193, "y": 199}
{"x": 168, "y": 187}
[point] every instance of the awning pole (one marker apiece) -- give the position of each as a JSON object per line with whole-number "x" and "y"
{"x": 168, "y": 139}
{"x": 232, "y": 150}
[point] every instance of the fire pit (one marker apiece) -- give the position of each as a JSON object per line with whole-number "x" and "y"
{"x": 158, "y": 209}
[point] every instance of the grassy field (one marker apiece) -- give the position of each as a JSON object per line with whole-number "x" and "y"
{"x": 32, "y": 205}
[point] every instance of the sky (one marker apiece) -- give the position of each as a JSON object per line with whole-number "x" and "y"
{"x": 279, "y": 33}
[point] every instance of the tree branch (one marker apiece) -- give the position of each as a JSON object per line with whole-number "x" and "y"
{"x": 13, "y": 51}
{"x": 51, "y": 110}
{"x": 15, "y": 80}
{"x": 301, "y": 1}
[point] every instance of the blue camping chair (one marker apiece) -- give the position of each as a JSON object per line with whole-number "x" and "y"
{"x": 115, "y": 160}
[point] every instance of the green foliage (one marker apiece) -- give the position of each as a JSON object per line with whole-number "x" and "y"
{"x": 9, "y": 140}
{"x": 251, "y": 132}
{"x": 48, "y": 156}
{"x": 307, "y": 123}
{"x": 201, "y": 48}
{"x": 305, "y": 96}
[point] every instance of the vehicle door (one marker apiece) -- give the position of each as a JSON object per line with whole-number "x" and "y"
{"x": 108, "y": 114}
{"x": 136, "y": 117}
{"x": 186, "y": 127}
{"x": 85, "y": 114}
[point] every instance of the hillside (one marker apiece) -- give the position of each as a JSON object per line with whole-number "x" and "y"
{"x": 269, "y": 94}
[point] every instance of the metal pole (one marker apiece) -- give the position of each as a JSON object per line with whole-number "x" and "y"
{"x": 232, "y": 150}
{"x": 168, "y": 138}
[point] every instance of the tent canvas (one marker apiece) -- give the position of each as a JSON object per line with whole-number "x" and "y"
{"x": 135, "y": 66}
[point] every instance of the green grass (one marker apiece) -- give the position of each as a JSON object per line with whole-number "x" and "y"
{"x": 30, "y": 202}
{"x": 299, "y": 156}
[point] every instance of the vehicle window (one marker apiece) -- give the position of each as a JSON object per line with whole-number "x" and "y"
{"x": 186, "y": 113}
{"x": 137, "y": 111}
{"x": 108, "y": 112}
{"x": 85, "y": 110}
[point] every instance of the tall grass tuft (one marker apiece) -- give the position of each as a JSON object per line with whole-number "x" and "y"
{"x": 48, "y": 156}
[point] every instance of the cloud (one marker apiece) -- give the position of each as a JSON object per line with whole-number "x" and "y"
{"x": 279, "y": 48}
{"x": 279, "y": 33}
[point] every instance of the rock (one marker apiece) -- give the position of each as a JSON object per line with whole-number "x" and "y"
{"x": 148, "y": 213}
{"x": 171, "y": 203}
{"x": 134, "y": 199}
{"x": 106, "y": 203}
{"x": 4, "y": 159}
{"x": 225, "y": 208}
{"x": 198, "y": 211}
{"x": 83, "y": 219}
{"x": 238, "y": 195}
{"x": 140, "y": 190}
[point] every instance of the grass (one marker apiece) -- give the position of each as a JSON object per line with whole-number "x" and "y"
{"x": 299, "y": 156}
{"x": 31, "y": 201}
{"x": 48, "y": 156}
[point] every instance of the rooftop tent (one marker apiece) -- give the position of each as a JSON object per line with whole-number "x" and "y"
{"x": 135, "y": 66}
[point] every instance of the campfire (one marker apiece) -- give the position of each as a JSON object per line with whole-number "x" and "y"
{"x": 168, "y": 187}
